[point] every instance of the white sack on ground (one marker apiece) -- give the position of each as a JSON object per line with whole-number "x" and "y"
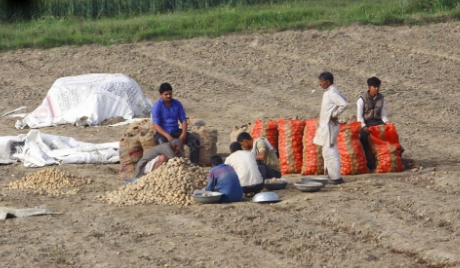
{"x": 37, "y": 150}
{"x": 88, "y": 100}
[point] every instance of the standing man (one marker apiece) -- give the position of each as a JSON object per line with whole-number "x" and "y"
{"x": 332, "y": 105}
{"x": 223, "y": 178}
{"x": 370, "y": 112}
{"x": 166, "y": 113}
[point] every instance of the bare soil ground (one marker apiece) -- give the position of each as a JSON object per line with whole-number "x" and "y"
{"x": 408, "y": 219}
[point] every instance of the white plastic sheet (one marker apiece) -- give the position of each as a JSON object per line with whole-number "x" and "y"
{"x": 88, "y": 100}
{"x": 37, "y": 149}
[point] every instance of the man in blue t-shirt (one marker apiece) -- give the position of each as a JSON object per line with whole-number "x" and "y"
{"x": 166, "y": 113}
{"x": 223, "y": 178}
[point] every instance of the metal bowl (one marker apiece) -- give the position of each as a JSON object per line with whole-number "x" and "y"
{"x": 266, "y": 197}
{"x": 275, "y": 184}
{"x": 323, "y": 180}
{"x": 309, "y": 186}
{"x": 214, "y": 197}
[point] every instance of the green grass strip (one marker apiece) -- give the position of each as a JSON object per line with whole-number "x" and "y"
{"x": 326, "y": 14}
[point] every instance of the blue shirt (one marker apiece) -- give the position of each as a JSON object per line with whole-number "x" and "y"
{"x": 224, "y": 179}
{"x": 167, "y": 117}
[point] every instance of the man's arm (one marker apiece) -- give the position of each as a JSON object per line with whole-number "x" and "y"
{"x": 341, "y": 103}
{"x": 210, "y": 185}
{"x": 262, "y": 151}
{"x": 183, "y": 119}
{"x": 360, "y": 112}
{"x": 163, "y": 132}
{"x": 183, "y": 136}
{"x": 383, "y": 114}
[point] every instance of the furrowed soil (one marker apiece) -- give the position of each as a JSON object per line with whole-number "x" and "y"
{"x": 408, "y": 219}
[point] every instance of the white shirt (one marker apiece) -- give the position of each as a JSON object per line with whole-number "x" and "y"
{"x": 245, "y": 165}
{"x": 360, "y": 114}
{"x": 332, "y": 105}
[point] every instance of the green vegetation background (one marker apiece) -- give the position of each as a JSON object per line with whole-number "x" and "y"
{"x": 50, "y": 23}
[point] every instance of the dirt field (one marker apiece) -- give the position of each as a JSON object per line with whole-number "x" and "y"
{"x": 409, "y": 219}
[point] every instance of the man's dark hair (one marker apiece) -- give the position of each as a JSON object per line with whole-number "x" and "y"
{"x": 243, "y": 136}
{"x": 216, "y": 160}
{"x": 235, "y": 146}
{"x": 165, "y": 87}
{"x": 373, "y": 81}
{"x": 326, "y": 76}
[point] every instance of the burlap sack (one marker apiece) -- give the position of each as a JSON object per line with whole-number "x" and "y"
{"x": 130, "y": 153}
{"x": 208, "y": 143}
{"x": 238, "y": 129}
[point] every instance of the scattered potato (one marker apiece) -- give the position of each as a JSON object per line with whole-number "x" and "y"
{"x": 49, "y": 181}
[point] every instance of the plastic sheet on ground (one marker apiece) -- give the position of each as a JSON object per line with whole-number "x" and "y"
{"x": 6, "y": 212}
{"x": 37, "y": 149}
{"x": 88, "y": 100}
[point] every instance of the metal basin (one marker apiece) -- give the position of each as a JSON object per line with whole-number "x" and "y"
{"x": 322, "y": 180}
{"x": 207, "y": 197}
{"x": 309, "y": 186}
{"x": 275, "y": 184}
{"x": 266, "y": 197}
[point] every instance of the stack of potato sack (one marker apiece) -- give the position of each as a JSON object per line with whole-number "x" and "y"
{"x": 138, "y": 138}
{"x": 208, "y": 140}
{"x": 268, "y": 129}
{"x": 290, "y": 147}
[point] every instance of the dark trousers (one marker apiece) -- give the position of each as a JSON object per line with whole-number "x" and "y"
{"x": 253, "y": 188}
{"x": 364, "y": 139}
{"x": 268, "y": 173}
{"x": 192, "y": 141}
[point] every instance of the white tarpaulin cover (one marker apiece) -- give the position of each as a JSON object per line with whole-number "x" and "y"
{"x": 88, "y": 100}
{"x": 37, "y": 149}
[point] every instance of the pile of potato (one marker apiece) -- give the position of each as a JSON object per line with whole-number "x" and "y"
{"x": 172, "y": 183}
{"x": 49, "y": 181}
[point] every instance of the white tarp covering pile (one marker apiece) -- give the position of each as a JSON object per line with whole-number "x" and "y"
{"x": 37, "y": 149}
{"x": 88, "y": 100}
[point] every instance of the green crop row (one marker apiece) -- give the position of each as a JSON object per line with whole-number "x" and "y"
{"x": 11, "y": 11}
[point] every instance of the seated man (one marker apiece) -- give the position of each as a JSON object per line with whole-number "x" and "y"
{"x": 264, "y": 152}
{"x": 166, "y": 113}
{"x": 245, "y": 166}
{"x": 158, "y": 155}
{"x": 371, "y": 112}
{"x": 223, "y": 178}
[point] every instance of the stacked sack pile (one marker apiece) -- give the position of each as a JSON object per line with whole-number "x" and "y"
{"x": 208, "y": 140}
{"x": 293, "y": 138}
{"x": 138, "y": 138}
{"x": 172, "y": 183}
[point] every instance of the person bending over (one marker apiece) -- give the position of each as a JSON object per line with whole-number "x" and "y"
{"x": 223, "y": 178}
{"x": 157, "y": 156}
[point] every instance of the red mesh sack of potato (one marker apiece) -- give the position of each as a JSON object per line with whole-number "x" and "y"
{"x": 290, "y": 146}
{"x": 269, "y": 130}
{"x": 352, "y": 156}
{"x": 313, "y": 162}
{"x": 385, "y": 146}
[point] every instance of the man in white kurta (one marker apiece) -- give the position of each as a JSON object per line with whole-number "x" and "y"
{"x": 332, "y": 105}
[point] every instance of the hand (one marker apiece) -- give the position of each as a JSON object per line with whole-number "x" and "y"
{"x": 169, "y": 137}
{"x": 366, "y": 129}
{"x": 183, "y": 137}
{"x": 335, "y": 120}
